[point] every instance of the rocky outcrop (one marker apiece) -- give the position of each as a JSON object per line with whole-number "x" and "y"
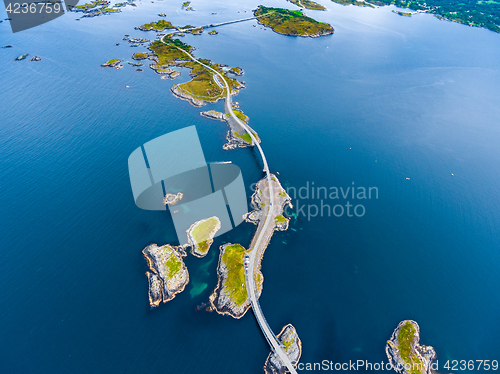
{"x": 405, "y": 353}
{"x": 214, "y": 115}
{"x": 221, "y": 300}
{"x": 169, "y": 275}
{"x": 293, "y": 348}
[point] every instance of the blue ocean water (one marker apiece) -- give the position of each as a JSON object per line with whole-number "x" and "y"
{"x": 384, "y": 99}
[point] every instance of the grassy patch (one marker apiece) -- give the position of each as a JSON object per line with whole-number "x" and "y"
{"x": 406, "y": 338}
{"x": 112, "y": 61}
{"x": 279, "y": 219}
{"x": 139, "y": 56}
{"x": 202, "y": 86}
{"x": 158, "y": 26}
{"x": 173, "y": 266}
{"x": 167, "y": 54}
{"x": 236, "y": 70}
{"x": 246, "y": 137}
{"x": 201, "y": 233}
{"x": 240, "y": 115}
{"x": 235, "y": 282}
{"x": 288, "y": 343}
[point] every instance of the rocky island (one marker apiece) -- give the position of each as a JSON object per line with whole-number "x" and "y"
{"x": 291, "y": 22}
{"x": 308, "y": 4}
{"x": 293, "y": 348}
{"x": 169, "y": 275}
{"x": 160, "y": 25}
{"x": 230, "y": 296}
{"x": 113, "y": 63}
{"x": 201, "y": 235}
{"x": 405, "y": 353}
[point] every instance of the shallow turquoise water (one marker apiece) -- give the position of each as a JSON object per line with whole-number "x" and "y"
{"x": 384, "y": 99}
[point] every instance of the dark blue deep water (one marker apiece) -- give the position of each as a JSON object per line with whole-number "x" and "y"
{"x": 384, "y": 99}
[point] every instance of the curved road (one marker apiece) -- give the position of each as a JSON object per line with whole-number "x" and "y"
{"x": 259, "y": 315}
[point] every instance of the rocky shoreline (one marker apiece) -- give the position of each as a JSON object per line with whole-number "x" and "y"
{"x": 192, "y": 100}
{"x": 293, "y": 347}
{"x": 172, "y": 199}
{"x": 403, "y": 349}
{"x": 169, "y": 275}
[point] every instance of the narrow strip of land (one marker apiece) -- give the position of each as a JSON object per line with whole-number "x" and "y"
{"x": 269, "y": 220}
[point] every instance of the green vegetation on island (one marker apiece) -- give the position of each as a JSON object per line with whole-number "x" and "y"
{"x": 241, "y": 115}
{"x": 113, "y": 63}
{"x": 308, "y": 4}
{"x": 476, "y": 13}
{"x": 160, "y": 25}
{"x": 213, "y": 32}
{"x": 405, "y": 353}
{"x": 236, "y": 71}
{"x": 406, "y": 337}
{"x": 202, "y": 87}
{"x": 140, "y": 56}
{"x": 168, "y": 274}
{"x": 291, "y": 22}
{"x": 246, "y": 137}
{"x": 168, "y": 54}
{"x": 279, "y": 219}
{"x": 235, "y": 283}
{"x": 173, "y": 266}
